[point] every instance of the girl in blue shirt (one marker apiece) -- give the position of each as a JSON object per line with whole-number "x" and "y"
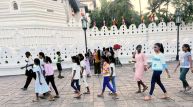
{"x": 158, "y": 64}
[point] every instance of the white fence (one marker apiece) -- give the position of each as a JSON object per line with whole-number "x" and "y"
{"x": 15, "y": 41}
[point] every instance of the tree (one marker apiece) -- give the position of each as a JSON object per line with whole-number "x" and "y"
{"x": 186, "y": 8}
{"x": 114, "y": 10}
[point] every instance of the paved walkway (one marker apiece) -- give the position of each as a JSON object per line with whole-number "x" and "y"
{"x": 12, "y": 96}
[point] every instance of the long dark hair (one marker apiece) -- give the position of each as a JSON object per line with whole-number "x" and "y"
{"x": 48, "y": 59}
{"x": 81, "y": 57}
{"x": 76, "y": 60}
{"x": 188, "y": 47}
{"x": 160, "y": 47}
{"x": 99, "y": 54}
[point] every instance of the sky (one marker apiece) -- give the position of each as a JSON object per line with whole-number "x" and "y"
{"x": 144, "y": 5}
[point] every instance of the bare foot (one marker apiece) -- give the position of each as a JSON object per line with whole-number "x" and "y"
{"x": 165, "y": 96}
{"x": 147, "y": 98}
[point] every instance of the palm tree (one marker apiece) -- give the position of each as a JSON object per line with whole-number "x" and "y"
{"x": 140, "y": 8}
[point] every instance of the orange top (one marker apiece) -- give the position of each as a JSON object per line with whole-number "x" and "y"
{"x": 96, "y": 58}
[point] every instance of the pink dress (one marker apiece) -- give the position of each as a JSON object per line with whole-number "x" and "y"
{"x": 141, "y": 61}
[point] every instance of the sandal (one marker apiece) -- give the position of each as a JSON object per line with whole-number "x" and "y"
{"x": 138, "y": 92}
{"x": 188, "y": 89}
{"x": 110, "y": 93}
{"x": 102, "y": 96}
{"x": 165, "y": 97}
{"x": 51, "y": 99}
{"x": 36, "y": 100}
{"x": 79, "y": 96}
{"x": 86, "y": 93}
{"x": 57, "y": 96}
{"x": 145, "y": 89}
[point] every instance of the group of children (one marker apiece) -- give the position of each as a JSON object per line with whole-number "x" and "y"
{"x": 79, "y": 75}
{"x": 42, "y": 70}
{"x": 158, "y": 65}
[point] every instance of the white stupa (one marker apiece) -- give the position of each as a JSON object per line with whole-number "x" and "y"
{"x": 36, "y": 23}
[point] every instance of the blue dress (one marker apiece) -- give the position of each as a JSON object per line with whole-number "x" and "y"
{"x": 40, "y": 89}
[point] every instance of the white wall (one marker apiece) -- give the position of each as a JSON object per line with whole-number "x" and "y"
{"x": 15, "y": 41}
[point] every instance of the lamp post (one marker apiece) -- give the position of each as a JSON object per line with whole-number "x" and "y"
{"x": 178, "y": 22}
{"x": 84, "y": 27}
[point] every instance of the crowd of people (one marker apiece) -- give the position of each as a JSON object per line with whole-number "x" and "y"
{"x": 41, "y": 69}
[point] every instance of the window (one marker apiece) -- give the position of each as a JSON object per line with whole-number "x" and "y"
{"x": 15, "y": 6}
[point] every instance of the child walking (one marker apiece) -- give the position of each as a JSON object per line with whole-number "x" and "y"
{"x": 88, "y": 71}
{"x": 76, "y": 76}
{"x": 158, "y": 64}
{"x": 41, "y": 86}
{"x": 58, "y": 64}
{"x": 140, "y": 68}
{"x": 185, "y": 64}
{"x": 49, "y": 74}
{"x": 83, "y": 73}
{"x": 106, "y": 79}
{"x": 112, "y": 72}
{"x": 29, "y": 70}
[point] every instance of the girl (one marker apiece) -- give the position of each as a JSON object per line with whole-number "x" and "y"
{"x": 112, "y": 72}
{"x": 158, "y": 65}
{"x": 185, "y": 64}
{"x": 40, "y": 84}
{"x": 97, "y": 63}
{"x": 76, "y": 76}
{"x": 83, "y": 73}
{"x": 140, "y": 67}
{"x": 88, "y": 71}
{"x": 42, "y": 61}
{"x": 49, "y": 73}
{"x": 106, "y": 80}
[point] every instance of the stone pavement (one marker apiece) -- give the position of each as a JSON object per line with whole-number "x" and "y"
{"x": 12, "y": 96}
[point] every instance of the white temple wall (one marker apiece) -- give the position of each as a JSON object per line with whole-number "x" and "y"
{"x": 15, "y": 41}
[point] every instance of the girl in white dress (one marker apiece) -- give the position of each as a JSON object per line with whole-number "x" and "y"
{"x": 41, "y": 86}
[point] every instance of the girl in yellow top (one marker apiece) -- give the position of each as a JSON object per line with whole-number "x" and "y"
{"x": 106, "y": 80}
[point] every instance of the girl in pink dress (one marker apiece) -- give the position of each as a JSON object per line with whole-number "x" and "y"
{"x": 140, "y": 68}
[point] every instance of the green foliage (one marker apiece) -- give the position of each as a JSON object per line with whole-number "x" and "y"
{"x": 117, "y": 10}
{"x": 186, "y": 8}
